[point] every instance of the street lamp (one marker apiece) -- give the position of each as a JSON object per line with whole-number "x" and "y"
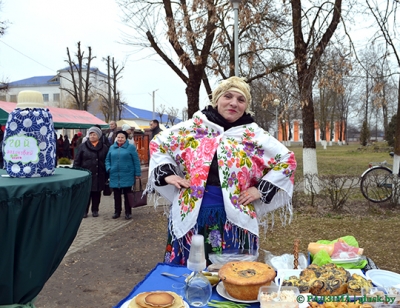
{"x": 235, "y": 4}
{"x": 276, "y": 104}
{"x": 154, "y": 103}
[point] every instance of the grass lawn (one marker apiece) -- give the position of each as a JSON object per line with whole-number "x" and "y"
{"x": 375, "y": 226}
{"x": 349, "y": 160}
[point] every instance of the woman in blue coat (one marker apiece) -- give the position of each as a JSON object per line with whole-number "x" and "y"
{"x": 123, "y": 166}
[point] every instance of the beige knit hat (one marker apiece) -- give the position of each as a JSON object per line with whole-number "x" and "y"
{"x": 233, "y": 83}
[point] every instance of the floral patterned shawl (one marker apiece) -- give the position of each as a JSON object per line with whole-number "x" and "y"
{"x": 246, "y": 154}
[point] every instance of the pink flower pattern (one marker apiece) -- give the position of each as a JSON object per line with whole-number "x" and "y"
{"x": 241, "y": 162}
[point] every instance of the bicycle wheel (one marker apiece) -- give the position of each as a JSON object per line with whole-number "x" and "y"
{"x": 376, "y": 184}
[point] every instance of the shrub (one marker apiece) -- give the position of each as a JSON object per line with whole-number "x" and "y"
{"x": 64, "y": 161}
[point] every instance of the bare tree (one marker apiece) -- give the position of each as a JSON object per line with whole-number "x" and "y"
{"x": 111, "y": 105}
{"x": 160, "y": 111}
{"x": 3, "y": 24}
{"x": 200, "y": 38}
{"x": 79, "y": 72}
{"x": 172, "y": 115}
{"x": 385, "y": 15}
{"x": 308, "y": 54}
{"x": 3, "y": 28}
{"x": 332, "y": 71}
{"x": 184, "y": 114}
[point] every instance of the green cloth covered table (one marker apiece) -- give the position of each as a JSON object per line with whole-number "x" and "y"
{"x": 39, "y": 219}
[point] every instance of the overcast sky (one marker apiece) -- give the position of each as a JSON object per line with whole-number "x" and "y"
{"x": 40, "y": 31}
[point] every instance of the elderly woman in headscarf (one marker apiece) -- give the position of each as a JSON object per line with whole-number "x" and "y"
{"x": 91, "y": 155}
{"x": 223, "y": 174}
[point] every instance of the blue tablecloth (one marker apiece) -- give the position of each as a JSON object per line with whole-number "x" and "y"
{"x": 154, "y": 281}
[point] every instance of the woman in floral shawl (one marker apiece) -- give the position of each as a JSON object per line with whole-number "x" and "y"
{"x": 222, "y": 173}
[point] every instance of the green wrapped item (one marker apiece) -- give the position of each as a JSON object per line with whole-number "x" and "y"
{"x": 322, "y": 257}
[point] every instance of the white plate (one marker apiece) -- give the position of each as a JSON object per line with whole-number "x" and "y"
{"x": 350, "y": 260}
{"x": 221, "y": 291}
{"x": 382, "y": 278}
{"x": 126, "y": 304}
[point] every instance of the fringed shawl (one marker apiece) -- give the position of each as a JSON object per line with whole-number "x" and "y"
{"x": 246, "y": 154}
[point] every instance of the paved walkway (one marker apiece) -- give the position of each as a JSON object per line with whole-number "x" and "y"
{"x": 94, "y": 228}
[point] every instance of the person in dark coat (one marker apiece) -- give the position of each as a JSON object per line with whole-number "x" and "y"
{"x": 73, "y": 146}
{"x": 66, "y": 150}
{"x": 91, "y": 156}
{"x": 1, "y": 148}
{"x": 123, "y": 166}
{"x": 79, "y": 140}
{"x": 155, "y": 128}
{"x": 59, "y": 146}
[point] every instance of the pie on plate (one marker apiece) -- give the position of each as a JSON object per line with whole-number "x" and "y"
{"x": 243, "y": 279}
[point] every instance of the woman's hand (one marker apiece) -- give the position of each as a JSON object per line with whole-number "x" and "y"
{"x": 177, "y": 181}
{"x": 137, "y": 177}
{"x": 249, "y": 195}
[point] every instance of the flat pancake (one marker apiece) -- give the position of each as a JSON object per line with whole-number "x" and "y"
{"x": 159, "y": 299}
{"x": 139, "y": 300}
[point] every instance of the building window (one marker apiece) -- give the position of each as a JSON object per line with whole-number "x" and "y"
{"x": 56, "y": 97}
{"x": 45, "y": 97}
{"x": 13, "y": 98}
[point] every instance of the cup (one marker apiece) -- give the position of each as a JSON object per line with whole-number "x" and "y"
{"x": 179, "y": 288}
{"x": 197, "y": 259}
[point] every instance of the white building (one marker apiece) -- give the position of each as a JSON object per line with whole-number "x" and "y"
{"x": 50, "y": 87}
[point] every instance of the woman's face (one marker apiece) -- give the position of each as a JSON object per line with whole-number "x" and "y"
{"x": 93, "y": 137}
{"x": 231, "y": 105}
{"x": 121, "y": 138}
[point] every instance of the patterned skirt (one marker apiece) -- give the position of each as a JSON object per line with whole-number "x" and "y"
{"x": 220, "y": 236}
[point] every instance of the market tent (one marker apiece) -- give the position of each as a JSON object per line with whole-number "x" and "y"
{"x": 62, "y": 118}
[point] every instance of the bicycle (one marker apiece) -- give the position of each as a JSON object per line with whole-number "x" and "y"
{"x": 377, "y": 182}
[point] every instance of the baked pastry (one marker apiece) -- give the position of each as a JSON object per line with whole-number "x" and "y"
{"x": 327, "y": 280}
{"x": 356, "y": 283}
{"x": 243, "y": 279}
{"x": 157, "y": 299}
{"x": 334, "y": 286}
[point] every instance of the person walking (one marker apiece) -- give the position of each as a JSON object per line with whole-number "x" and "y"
{"x": 66, "y": 149}
{"x": 123, "y": 166}
{"x": 73, "y": 146}
{"x": 59, "y": 147}
{"x": 223, "y": 175}
{"x": 1, "y": 148}
{"x": 91, "y": 155}
{"x": 155, "y": 128}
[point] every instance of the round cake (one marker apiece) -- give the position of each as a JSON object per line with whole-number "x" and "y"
{"x": 243, "y": 279}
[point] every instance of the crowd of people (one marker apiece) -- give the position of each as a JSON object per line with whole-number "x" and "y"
{"x": 112, "y": 158}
